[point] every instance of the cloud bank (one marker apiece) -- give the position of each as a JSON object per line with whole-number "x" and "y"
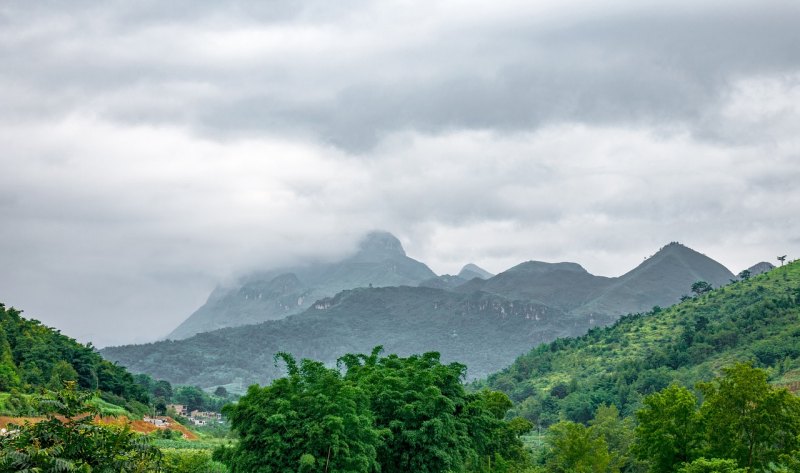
{"x": 150, "y": 150}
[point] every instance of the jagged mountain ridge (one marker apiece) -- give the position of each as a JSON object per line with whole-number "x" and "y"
{"x": 380, "y": 261}
{"x": 417, "y": 319}
{"x": 449, "y": 281}
{"x": 660, "y": 280}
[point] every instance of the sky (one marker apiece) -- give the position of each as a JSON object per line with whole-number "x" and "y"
{"x": 151, "y": 150}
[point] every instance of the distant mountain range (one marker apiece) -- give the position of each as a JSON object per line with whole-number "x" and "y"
{"x": 383, "y": 297}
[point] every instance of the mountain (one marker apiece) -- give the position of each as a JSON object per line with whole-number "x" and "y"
{"x": 565, "y": 286}
{"x": 660, "y": 280}
{"x": 472, "y": 271}
{"x": 483, "y": 323}
{"x": 754, "y": 320}
{"x": 380, "y": 261}
{"x": 448, "y": 281}
{"x": 760, "y": 268}
{"x": 483, "y": 331}
{"x": 445, "y": 281}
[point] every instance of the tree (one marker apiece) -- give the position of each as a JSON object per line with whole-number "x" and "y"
{"x": 68, "y": 441}
{"x": 747, "y": 419}
{"x": 745, "y": 275}
{"x": 618, "y": 435}
{"x": 374, "y": 413}
{"x": 9, "y": 378}
{"x": 714, "y": 465}
{"x": 190, "y": 396}
{"x": 669, "y": 432}
{"x": 782, "y": 259}
{"x": 62, "y": 373}
{"x": 416, "y": 401}
{"x": 221, "y": 391}
{"x": 162, "y": 389}
{"x": 701, "y": 287}
{"x": 573, "y": 449}
{"x": 312, "y": 416}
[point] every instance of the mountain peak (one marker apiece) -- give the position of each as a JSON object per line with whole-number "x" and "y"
{"x": 760, "y": 268}
{"x": 381, "y": 242}
{"x": 674, "y": 247}
{"x": 541, "y": 267}
{"x": 471, "y": 271}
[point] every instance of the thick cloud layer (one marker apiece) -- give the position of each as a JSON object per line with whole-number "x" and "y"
{"x": 152, "y": 149}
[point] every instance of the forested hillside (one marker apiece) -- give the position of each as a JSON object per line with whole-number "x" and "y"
{"x": 483, "y": 331}
{"x": 756, "y": 319}
{"x": 34, "y": 356}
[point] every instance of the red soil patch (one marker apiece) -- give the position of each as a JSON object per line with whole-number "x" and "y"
{"x": 5, "y": 420}
{"x": 146, "y": 427}
{"x": 139, "y": 426}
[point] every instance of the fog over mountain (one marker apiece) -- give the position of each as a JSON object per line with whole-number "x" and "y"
{"x": 151, "y": 151}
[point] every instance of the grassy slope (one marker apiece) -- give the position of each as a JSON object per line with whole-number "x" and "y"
{"x": 755, "y": 320}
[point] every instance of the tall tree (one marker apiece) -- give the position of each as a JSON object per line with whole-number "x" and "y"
{"x": 669, "y": 431}
{"x": 573, "y": 449}
{"x": 417, "y": 400}
{"x": 311, "y": 420}
{"x": 747, "y": 419}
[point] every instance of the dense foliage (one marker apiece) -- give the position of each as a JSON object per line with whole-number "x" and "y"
{"x": 743, "y": 424}
{"x": 388, "y": 414}
{"x": 755, "y": 319}
{"x": 33, "y": 356}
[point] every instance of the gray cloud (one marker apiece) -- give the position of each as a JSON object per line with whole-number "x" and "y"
{"x": 350, "y": 79}
{"x": 150, "y": 150}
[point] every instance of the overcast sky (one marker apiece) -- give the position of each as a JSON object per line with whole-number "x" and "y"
{"x": 151, "y": 149}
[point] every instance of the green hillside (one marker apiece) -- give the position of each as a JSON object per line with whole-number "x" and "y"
{"x": 483, "y": 331}
{"x": 34, "y": 356}
{"x": 756, "y": 319}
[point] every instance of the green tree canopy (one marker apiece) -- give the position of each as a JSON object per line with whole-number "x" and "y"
{"x": 374, "y": 413}
{"x": 714, "y": 465}
{"x": 573, "y": 449}
{"x": 749, "y": 420}
{"x": 312, "y": 416}
{"x": 668, "y": 433}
